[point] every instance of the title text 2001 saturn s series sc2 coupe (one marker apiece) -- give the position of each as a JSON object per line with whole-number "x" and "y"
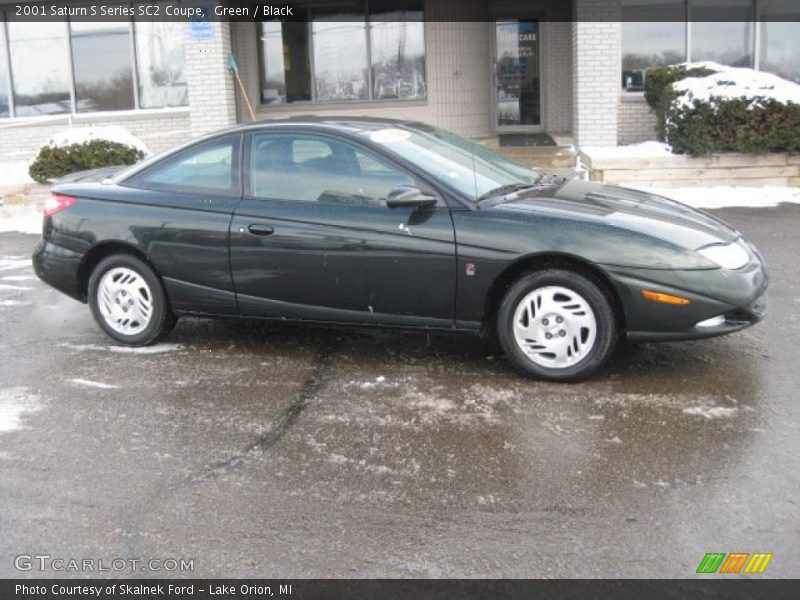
{"x": 392, "y": 223}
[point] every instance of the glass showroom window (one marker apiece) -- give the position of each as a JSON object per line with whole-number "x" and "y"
{"x": 662, "y": 32}
{"x": 780, "y": 38}
{"x": 286, "y": 75}
{"x": 50, "y": 68}
{"x": 397, "y": 49}
{"x": 160, "y": 62}
{"x": 5, "y": 89}
{"x": 345, "y": 54}
{"x": 40, "y": 70}
{"x": 653, "y": 35}
{"x": 102, "y": 66}
{"x": 729, "y": 41}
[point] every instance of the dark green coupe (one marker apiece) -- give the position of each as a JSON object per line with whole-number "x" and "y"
{"x": 393, "y": 223}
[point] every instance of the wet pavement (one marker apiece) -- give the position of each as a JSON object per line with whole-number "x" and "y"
{"x": 281, "y": 451}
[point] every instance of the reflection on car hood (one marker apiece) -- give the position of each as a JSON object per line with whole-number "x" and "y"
{"x": 629, "y": 209}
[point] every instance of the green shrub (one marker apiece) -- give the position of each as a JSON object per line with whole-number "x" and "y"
{"x": 56, "y": 161}
{"x": 750, "y": 125}
{"x": 733, "y": 125}
{"x": 659, "y": 93}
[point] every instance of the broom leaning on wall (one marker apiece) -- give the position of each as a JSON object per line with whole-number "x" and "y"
{"x": 234, "y": 67}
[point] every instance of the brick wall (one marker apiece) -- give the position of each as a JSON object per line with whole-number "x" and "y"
{"x": 212, "y": 103}
{"x": 159, "y": 130}
{"x": 596, "y": 71}
{"x": 637, "y": 123}
{"x": 557, "y": 75}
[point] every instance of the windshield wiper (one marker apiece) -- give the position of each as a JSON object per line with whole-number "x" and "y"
{"x": 504, "y": 190}
{"x": 544, "y": 181}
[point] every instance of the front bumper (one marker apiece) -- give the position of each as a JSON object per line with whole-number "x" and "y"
{"x": 735, "y": 320}
{"x": 738, "y": 296}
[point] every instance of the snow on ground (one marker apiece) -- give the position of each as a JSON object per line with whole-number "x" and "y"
{"x": 13, "y": 303}
{"x": 721, "y": 196}
{"x": 80, "y": 135}
{"x": 94, "y": 384}
{"x": 14, "y": 403}
{"x": 14, "y": 263}
{"x": 729, "y": 83}
{"x": 23, "y": 218}
{"x": 18, "y": 278}
{"x": 711, "y": 412}
{"x": 157, "y": 349}
{"x": 14, "y": 174}
{"x": 644, "y": 150}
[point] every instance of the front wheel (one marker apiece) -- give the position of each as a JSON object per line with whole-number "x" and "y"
{"x": 128, "y": 301}
{"x": 557, "y": 325}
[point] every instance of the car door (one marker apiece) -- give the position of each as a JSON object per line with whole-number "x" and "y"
{"x": 190, "y": 198}
{"x": 314, "y": 239}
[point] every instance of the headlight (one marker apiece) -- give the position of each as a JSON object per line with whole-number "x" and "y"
{"x": 727, "y": 256}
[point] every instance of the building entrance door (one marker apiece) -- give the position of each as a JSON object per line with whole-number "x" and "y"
{"x": 517, "y": 73}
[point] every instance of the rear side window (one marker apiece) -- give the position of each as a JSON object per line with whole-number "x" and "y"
{"x": 304, "y": 167}
{"x": 210, "y": 167}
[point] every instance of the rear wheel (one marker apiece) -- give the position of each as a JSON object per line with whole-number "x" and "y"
{"x": 556, "y": 324}
{"x": 128, "y": 301}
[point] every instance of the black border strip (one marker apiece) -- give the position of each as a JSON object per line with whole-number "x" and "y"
{"x": 374, "y": 589}
{"x": 435, "y": 10}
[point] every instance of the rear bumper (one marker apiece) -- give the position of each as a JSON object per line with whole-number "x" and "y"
{"x": 59, "y": 267}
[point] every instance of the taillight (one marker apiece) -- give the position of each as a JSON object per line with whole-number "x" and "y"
{"x": 57, "y": 203}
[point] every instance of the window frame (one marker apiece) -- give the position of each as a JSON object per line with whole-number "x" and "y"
{"x": 135, "y": 180}
{"x": 421, "y": 182}
{"x": 5, "y": 65}
{"x": 371, "y": 100}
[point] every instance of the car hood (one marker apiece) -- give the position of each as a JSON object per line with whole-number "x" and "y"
{"x": 632, "y": 210}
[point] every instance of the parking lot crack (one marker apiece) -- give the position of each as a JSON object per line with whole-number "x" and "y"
{"x": 267, "y": 440}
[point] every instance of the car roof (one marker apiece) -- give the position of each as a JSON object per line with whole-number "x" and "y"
{"x": 343, "y": 124}
{"x": 349, "y": 125}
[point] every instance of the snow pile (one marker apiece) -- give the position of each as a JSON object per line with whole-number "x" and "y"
{"x": 14, "y": 403}
{"x": 731, "y": 83}
{"x": 14, "y": 174}
{"x": 21, "y": 218}
{"x": 722, "y": 196}
{"x": 650, "y": 149}
{"x": 81, "y": 135}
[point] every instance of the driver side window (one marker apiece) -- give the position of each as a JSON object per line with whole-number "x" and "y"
{"x": 303, "y": 167}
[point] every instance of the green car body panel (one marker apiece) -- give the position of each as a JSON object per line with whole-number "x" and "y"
{"x": 434, "y": 268}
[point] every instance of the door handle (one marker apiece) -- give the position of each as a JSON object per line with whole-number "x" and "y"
{"x": 260, "y": 229}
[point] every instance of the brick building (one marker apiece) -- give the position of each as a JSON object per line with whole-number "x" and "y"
{"x": 505, "y": 66}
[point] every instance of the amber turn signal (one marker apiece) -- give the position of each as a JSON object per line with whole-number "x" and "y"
{"x": 664, "y": 298}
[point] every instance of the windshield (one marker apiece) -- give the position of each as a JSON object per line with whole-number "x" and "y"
{"x": 468, "y": 168}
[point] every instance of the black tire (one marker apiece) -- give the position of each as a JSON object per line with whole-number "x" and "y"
{"x": 161, "y": 320}
{"x": 591, "y": 291}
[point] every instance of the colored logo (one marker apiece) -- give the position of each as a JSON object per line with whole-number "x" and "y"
{"x": 735, "y": 562}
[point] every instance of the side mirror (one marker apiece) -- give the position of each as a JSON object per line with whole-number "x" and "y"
{"x": 406, "y": 196}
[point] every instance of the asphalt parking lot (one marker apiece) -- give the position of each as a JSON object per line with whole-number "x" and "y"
{"x": 280, "y": 451}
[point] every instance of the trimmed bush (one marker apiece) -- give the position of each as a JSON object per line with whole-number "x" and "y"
{"x": 659, "y": 93}
{"x": 56, "y": 161}
{"x": 729, "y": 110}
{"x": 734, "y": 126}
